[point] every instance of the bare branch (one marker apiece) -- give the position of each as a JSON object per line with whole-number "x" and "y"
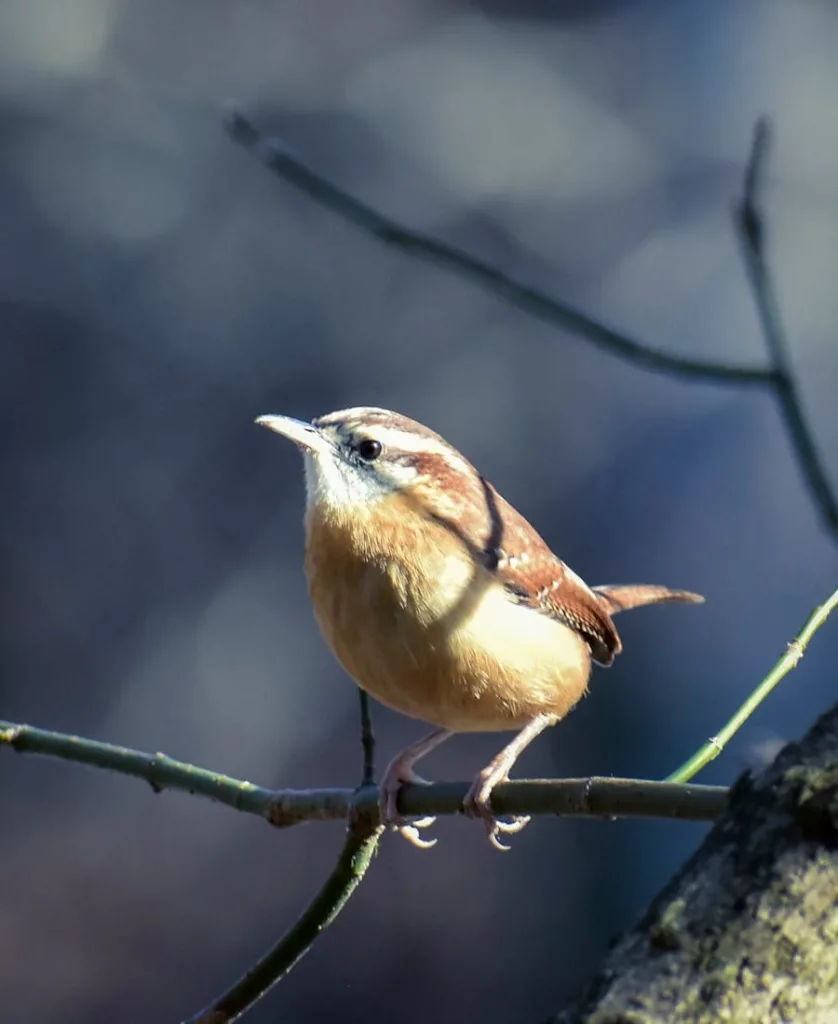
{"x": 590, "y": 797}
{"x": 361, "y": 842}
{"x": 355, "y": 857}
{"x": 789, "y": 660}
{"x": 532, "y": 301}
{"x": 367, "y": 740}
{"x": 750, "y": 228}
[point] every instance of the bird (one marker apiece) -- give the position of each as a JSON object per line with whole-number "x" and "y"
{"x": 441, "y": 600}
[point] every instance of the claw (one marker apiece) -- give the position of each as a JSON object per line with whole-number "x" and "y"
{"x": 496, "y": 828}
{"x": 390, "y": 816}
{"x": 477, "y": 801}
{"x": 424, "y": 822}
{"x": 399, "y": 771}
{"x": 491, "y": 832}
{"x": 514, "y": 825}
{"x": 410, "y": 831}
{"x": 477, "y": 805}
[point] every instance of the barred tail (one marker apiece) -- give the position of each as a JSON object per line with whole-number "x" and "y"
{"x": 634, "y": 595}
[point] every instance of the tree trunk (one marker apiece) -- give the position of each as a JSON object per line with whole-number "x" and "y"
{"x": 748, "y": 929}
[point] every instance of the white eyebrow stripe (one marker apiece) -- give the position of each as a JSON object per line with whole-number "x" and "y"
{"x": 404, "y": 440}
{"x": 383, "y": 425}
{"x": 352, "y": 419}
{"x": 409, "y": 441}
{"x": 359, "y": 414}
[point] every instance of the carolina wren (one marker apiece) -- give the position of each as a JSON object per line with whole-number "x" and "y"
{"x": 440, "y": 599}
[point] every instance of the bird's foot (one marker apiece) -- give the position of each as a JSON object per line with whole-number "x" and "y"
{"x": 396, "y": 775}
{"x": 477, "y": 804}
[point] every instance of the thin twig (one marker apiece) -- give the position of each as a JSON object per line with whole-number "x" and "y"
{"x": 750, "y": 228}
{"x": 589, "y": 797}
{"x": 794, "y": 652}
{"x": 362, "y": 835}
{"x": 777, "y": 378}
{"x": 159, "y": 770}
{"x": 358, "y": 850}
{"x": 367, "y": 740}
{"x": 536, "y": 303}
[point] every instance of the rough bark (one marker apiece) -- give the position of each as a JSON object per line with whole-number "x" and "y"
{"x": 748, "y": 929}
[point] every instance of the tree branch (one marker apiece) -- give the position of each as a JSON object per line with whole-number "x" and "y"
{"x": 367, "y": 740}
{"x": 358, "y": 850}
{"x": 748, "y": 218}
{"x": 789, "y": 660}
{"x": 536, "y": 303}
{"x": 361, "y": 843}
{"x": 591, "y": 797}
{"x": 746, "y": 931}
{"x": 749, "y": 222}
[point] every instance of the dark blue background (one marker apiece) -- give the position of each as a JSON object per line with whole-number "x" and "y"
{"x": 160, "y": 289}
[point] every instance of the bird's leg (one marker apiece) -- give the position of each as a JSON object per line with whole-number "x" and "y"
{"x": 477, "y": 803}
{"x": 399, "y": 771}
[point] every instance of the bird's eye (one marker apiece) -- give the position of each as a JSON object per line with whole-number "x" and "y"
{"x": 369, "y": 449}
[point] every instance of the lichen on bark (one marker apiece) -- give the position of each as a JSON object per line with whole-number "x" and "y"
{"x": 747, "y": 931}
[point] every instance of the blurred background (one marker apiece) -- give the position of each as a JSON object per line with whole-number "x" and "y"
{"x": 159, "y": 289}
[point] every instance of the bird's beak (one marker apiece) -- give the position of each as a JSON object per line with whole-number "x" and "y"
{"x": 304, "y": 435}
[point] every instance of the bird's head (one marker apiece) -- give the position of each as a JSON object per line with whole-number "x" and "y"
{"x": 356, "y": 457}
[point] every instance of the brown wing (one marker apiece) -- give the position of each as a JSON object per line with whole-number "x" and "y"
{"x": 498, "y": 535}
{"x": 530, "y": 571}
